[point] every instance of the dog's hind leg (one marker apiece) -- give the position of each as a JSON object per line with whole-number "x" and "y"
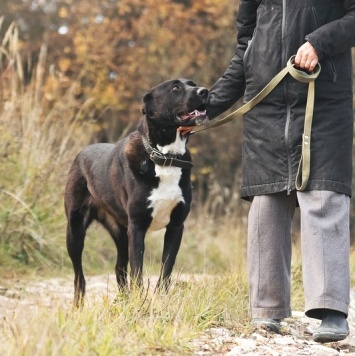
{"x": 172, "y": 242}
{"x": 77, "y": 225}
{"x": 79, "y": 216}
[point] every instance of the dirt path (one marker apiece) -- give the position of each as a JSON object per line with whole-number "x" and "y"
{"x": 296, "y": 338}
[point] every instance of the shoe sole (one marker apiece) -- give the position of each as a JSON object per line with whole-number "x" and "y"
{"x": 324, "y": 337}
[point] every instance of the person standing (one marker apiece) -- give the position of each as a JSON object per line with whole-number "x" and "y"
{"x": 269, "y": 33}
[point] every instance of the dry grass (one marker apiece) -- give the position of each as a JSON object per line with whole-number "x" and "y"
{"x": 38, "y": 141}
{"x": 147, "y": 323}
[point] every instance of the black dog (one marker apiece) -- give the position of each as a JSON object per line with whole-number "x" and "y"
{"x": 141, "y": 183}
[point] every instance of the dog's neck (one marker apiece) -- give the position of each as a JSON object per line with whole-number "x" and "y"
{"x": 164, "y": 139}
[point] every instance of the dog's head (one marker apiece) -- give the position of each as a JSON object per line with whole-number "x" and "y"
{"x": 176, "y": 103}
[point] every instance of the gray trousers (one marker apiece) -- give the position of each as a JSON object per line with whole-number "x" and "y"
{"x": 325, "y": 241}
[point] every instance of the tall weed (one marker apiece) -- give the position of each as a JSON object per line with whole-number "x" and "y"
{"x": 38, "y": 139}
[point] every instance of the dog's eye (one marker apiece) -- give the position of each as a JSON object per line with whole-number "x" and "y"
{"x": 175, "y": 88}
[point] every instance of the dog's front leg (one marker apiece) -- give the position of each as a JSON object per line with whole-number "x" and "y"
{"x": 172, "y": 241}
{"x": 136, "y": 237}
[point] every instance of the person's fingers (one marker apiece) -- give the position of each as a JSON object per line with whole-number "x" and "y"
{"x": 312, "y": 65}
{"x": 306, "y": 57}
{"x": 298, "y": 58}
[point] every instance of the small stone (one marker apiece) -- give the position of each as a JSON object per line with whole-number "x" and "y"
{"x": 219, "y": 332}
{"x": 236, "y": 350}
{"x": 206, "y": 347}
{"x": 321, "y": 350}
{"x": 259, "y": 338}
{"x": 246, "y": 344}
{"x": 284, "y": 340}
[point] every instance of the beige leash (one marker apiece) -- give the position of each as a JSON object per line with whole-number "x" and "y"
{"x": 305, "y": 162}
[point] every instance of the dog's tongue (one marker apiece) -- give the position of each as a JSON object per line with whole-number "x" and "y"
{"x": 193, "y": 114}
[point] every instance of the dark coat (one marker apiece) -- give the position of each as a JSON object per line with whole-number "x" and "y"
{"x": 269, "y": 33}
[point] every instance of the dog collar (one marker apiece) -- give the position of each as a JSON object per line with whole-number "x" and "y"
{"x": 164, "y": 160}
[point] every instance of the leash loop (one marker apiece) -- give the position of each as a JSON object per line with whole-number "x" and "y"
{"x": 300, "y": 75}
{"x": 303, "y": 77}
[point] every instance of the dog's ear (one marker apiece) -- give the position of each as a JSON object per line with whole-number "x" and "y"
{"x": 147, "y": 99}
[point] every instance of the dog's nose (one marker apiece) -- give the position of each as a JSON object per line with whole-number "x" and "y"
{"x": 202, "y": 92}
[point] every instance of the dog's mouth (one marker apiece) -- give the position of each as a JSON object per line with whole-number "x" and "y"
{"x": 193, "y": 118}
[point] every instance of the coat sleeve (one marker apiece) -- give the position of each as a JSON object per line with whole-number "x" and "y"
{"x": 337, "y": 36}
{"x": 230, "y": 87}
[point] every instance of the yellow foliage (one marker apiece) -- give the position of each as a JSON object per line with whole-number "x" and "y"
{"x": 133, "y": 45}
{"x": 205, "y": 170}
{"x": 64, "y": 64}
{"x": 63, "y": 12}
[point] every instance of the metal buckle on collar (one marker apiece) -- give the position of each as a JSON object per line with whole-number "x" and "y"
{"x": 156, "y": 153}
{"x": 167, "y": 160}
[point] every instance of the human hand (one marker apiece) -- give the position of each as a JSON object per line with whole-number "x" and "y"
{"x": 306, "y": 57}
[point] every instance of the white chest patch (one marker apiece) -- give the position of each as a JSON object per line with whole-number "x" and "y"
{"x": 168, "y": 194}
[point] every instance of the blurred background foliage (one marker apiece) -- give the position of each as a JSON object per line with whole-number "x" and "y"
{"x": 116, "y": 50}
{"x": 74, "y": 72}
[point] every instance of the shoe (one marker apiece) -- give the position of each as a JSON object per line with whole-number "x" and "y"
{"x": 334, "y": 327}
{"x": 268, "y": 324}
